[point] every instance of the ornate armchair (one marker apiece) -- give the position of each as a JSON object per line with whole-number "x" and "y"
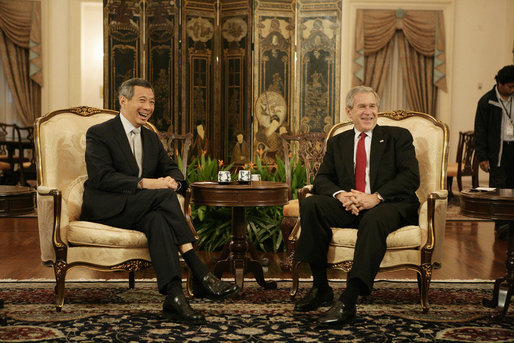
{"x": 466, "y": 163}
{"x": 65, "y": 241}
{"x": 415, "y": 247}
{"x": 307, "y": 149}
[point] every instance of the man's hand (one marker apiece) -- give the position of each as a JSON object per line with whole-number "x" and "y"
{"x": 484, "y": 165}
{"x": 355, "y": 201}
{"x": 162, "y": 182}
{"x": 365, "y": 201}
{"x": 349, "y": 202}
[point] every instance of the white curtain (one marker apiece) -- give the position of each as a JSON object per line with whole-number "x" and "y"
{"x": 394, "y": 96}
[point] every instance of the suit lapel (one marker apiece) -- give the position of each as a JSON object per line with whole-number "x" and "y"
{"x": 378, "y": 144}
{"x": 124, "y": 146}
{"x": 346, "y": 148}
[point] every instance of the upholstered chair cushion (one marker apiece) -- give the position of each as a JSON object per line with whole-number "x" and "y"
{"x": 83, "y": 233}
{"x": 292, "y": 208}
{"x": 73, "y": 197}
{"x": 408, "y": 237}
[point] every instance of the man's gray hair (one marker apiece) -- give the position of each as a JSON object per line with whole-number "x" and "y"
{"x": 127, "y": 87}
{"x": 350, "y": 97}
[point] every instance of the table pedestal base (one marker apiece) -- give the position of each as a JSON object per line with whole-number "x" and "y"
{"x": 504, "y": 287}
{"x": 237, "y": 262}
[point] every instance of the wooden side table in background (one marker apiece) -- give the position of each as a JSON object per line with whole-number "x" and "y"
{"x": 495, "y": 205}
{"x": 16, "y": 200}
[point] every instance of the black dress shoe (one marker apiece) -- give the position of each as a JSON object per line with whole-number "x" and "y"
{"x": 314, "y": 299}
{"x": 213, "y": 288}
{"x": 177, "y": 308}
{"x": 338, "y": 314}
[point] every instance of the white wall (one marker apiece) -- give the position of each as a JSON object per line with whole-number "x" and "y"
{"x": 72, "y": 33}
{"x": 55, "y": 54}
{"x": 91, "y": 49}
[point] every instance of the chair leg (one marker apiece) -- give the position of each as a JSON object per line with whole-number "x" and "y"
{"x": 132, "y": 280}
{"x": 295, "y": 281}
{"x": 459, "y": 182}
{"x": 424, "y": 278}
{"x": 286, "y": 226}
{"x": 449, "y": 182}
{"x": 60, "y": 269}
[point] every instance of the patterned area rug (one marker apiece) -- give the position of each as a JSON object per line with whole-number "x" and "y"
{"x": 109, "y": 312}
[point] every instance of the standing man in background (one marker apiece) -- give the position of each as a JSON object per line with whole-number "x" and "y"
{"x": 494, "y": 137}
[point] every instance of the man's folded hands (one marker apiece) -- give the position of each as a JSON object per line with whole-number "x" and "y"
{"x": 356, "y": 201}
{"x": 162, "y": 182}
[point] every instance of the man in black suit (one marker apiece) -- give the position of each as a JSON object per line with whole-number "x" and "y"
{"x": 369, "y": 186}
{"x": 133, "y": 184}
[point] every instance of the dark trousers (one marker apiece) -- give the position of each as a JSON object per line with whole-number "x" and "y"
{"x": 503, "y": 177}
{"x": 157, "y": 213}
{"x": 318, "y": 213}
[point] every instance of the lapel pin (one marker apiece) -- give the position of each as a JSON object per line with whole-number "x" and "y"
{"x": 381, "y": 141}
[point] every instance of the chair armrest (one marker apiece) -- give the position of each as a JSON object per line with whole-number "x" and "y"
{"x": 304, "y": 191}
{"x": 434, "y": 221}
{"x": 295, "y": 232}
{"x": 45, "y": 190}
{"x": 50, "y": 222}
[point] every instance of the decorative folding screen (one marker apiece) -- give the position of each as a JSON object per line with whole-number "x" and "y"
{"x": 220, "y": 68}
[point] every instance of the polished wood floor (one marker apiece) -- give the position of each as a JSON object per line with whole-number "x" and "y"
{"x": 471, "y": 252}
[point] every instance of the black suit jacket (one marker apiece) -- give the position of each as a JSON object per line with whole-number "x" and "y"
{"x": 112, "y": 168}
{"x": 394, "y": 171}
{"x": 488, "y": 125}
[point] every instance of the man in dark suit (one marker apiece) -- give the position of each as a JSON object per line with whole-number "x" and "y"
{"x": 133, "y": 184}
{"x": 366, "y": 182}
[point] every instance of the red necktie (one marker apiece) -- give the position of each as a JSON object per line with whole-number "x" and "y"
{"x": 360, "y": 164}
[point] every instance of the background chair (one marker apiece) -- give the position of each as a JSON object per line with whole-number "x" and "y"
{"x": 65, "y": 241}
{"x": 308, "y": 150}
{"x": 466, "y": 163}
{"x": 415, "y": 247}
{"x": 175, "y": 144}
{"x": 27, "y": 157}
{"x": 8, "y": 146}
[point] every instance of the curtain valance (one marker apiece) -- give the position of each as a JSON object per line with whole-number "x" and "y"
{"x": 20, "y": 22}
{"x": 423, "y": 30}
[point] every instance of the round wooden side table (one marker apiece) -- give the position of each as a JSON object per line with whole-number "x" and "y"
{"x": 239, "y": 196}
{"x": 16, "y": 200}
{"x": 497, "y": 204}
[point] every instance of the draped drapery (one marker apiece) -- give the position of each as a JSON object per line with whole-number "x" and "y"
{"x": 422, "y": 52}
{"x": 20, "y": 52}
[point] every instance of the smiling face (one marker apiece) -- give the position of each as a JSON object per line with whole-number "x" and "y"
{"x": 506, "y": 89}
{"x": 140, "y": 107}
{"x": 364, "y": 111}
